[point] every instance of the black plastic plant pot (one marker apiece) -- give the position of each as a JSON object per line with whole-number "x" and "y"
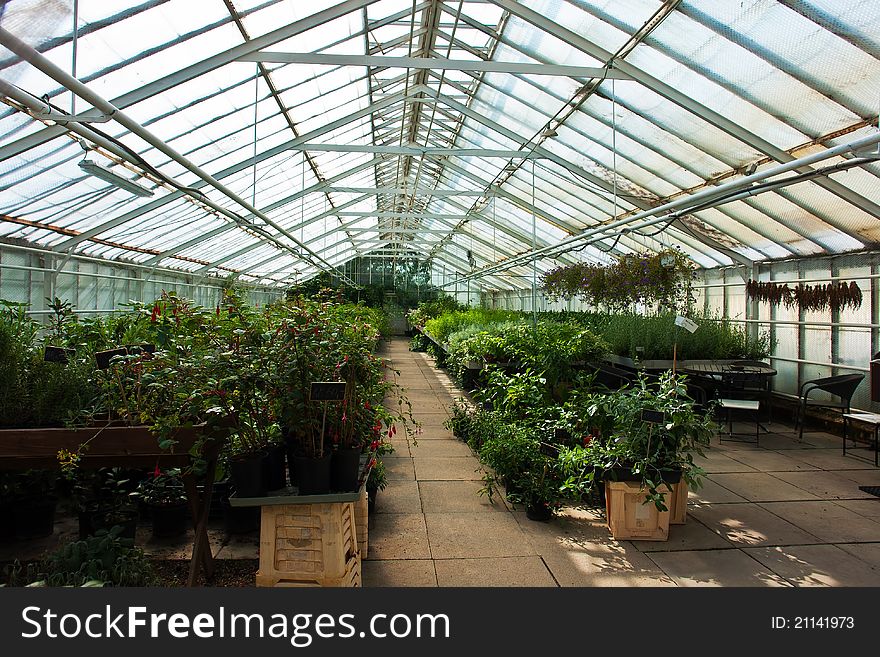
{"x": 246, "y": 472}
{"x": 7, "y": 521}
{"x": 122, "y": 517}
{"x": 219, "y": 497}
{"x": 274, "y": 468}
{"x": 34, "y": 518}
{"x": 103, "y": 358}
{"x": 372, "y": 494}
{"x": 58, "y": 354}
{"x": 344, "y": 469}
{"x": 312, "y": 474}
{"x": 539, "y": 511}
{"x": 621, "y": 473}
{"x": 143, "y": 348}
{"x": 240, "y": 519}
{"x": 170, "y": 520}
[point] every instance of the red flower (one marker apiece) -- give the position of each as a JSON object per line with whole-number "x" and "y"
{"x": 367, "y": 405}
{"x": 157, "y": 471}
{"x": 587, "y": 439}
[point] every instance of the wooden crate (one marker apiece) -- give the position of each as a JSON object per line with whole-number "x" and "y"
{"x": 677, "y": 503}
{"x": 309, "y": 545}
{"x": 362, "y": 522}
{"x": 629, "y": 518}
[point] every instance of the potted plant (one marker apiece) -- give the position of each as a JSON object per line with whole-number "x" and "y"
{"x": 28, "y": 502}
{"x": 656, "y": 431}
{"x": 524, "y": 465}
{"x": 164, "y": 495}
{"x": 102, "y": 500}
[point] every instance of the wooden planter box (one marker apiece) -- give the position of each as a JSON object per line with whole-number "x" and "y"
{"x": 309, "y": 545}
{"x": 678, "y": 503}
{"x": 362, "y": 522}
{"x": 629, "y": 518}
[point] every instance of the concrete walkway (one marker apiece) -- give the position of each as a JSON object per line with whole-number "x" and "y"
{"x": 784, "y": 514}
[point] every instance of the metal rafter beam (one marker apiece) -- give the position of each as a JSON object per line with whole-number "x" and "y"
{"x": 432, "y": 63}
{"x": 195, "y": 70}
{"x": 673, "y": 95}
{"x": 231, "y": 170}
{"x": 418, "y": 151}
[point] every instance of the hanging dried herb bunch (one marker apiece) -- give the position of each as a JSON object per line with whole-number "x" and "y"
{"x": 833, "y": 296}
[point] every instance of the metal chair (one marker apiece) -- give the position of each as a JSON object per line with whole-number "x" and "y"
{"x": 751, "y": 385}
{"x": 842, "y": 386}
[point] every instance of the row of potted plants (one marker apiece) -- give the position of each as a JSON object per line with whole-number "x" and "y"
{"x": 233, "y": 371}
{"x": 542, "y": 453}
{"x": 474, "y": 334}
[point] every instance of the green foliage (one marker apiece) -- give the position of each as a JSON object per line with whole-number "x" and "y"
{"x": 33, "y": 392}
{"x": 162, "y": 488}
{"x": 444, "y": 325}
{"x": 551, "y": 348}
{"x": 103, "y": 559}
{"x": 663, "y": 278}
{"x": 649, "y": 450}
{"x": 429, "y": 309}
{"x": 652, "y": 337}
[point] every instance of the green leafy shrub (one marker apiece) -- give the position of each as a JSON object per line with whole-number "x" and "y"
{"x": 103, "y": 559}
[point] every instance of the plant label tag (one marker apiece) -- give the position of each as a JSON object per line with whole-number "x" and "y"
{"x": 687, "y": 324}
{"x": 327, "y": 391}
{"x": 652, "y": 417}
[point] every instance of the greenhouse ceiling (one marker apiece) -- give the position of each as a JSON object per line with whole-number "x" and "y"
{"x": 273, "y": 139}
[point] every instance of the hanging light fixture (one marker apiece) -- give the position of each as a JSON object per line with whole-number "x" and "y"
{"x": 95, "y": 169}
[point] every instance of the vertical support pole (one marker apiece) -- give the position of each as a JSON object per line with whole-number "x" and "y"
{"x": 534, "y": 256}
{"x": 835, "y": 318}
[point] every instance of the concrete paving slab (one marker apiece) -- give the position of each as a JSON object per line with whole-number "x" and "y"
{"x": 398, "y": 536}
{"x": 718, "y": 462}
{"x": 761, "y": 487}
{"x": 868, "y": 553}
{"x": 494, "y": 571}
{"x": 716, "y": 568}
{"x": 443, "y": 449}
{"x": 766, "y": 460}
{"x": 816, "y": 565}
{"x": 823, "y": 484}
{"x": 401, "y": 496}
{"x": 602, "y": 563}
{"x": 451, "y": 468}
{"x": 456, "y": 497}
{"x": 749, "y": 525}
{"x": 712, "y": 492}
{"x": 870, "y": 508}
{"x": 398, "y": 572}
{"x": 828, "y": 521}
{"x": 693, "y": 535}
{"x": 399, "y": 467}
{"x": 829, "y": 459}
{"x": 464, "y": 535}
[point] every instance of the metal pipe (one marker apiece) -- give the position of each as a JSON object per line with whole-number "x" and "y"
{"x": 704, "y": 195}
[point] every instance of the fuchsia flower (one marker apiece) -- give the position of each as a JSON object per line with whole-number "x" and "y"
{"x": 157, "y": 471}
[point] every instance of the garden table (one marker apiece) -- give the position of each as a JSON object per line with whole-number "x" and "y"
{"x": 122, "y": 446}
